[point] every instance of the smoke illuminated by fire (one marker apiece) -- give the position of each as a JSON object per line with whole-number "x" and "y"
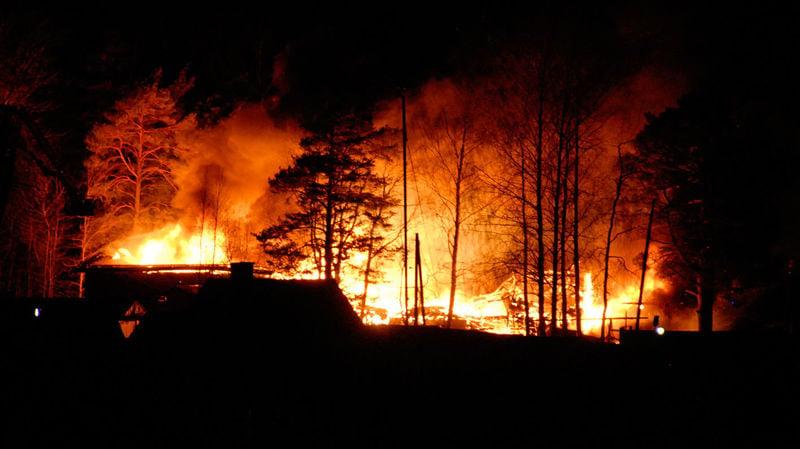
{"x": 224, "y": 198}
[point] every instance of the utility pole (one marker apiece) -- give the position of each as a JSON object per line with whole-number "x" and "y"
{"x": 405, "y": 209}
{"x": 644, "y": 262}
{"x": 419, "y": 292}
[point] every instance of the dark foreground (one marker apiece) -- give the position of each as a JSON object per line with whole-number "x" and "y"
{"x": 273, "y": 364}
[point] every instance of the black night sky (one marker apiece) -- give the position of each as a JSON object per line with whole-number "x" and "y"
{"x": 297, "y": 58}
{"x": 355, "y": 56}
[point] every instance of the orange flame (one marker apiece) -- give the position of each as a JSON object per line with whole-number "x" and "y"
{"x": 497, "y": 312}
{"x": 172, "y": 245}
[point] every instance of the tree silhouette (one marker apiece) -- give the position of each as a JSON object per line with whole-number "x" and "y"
{"x": 342, "y": 203}
{"x": 451, "y": 141}
{"x": 690, "y": 157}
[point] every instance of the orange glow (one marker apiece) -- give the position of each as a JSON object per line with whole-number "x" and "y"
{"x": 499, "y": 311}
{"x": 236, "y": 158}
{"x": 172, "y": 245}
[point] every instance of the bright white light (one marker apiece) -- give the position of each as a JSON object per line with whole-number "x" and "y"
{"x": 36, "y": 312}
{"x": 660, "y": 330}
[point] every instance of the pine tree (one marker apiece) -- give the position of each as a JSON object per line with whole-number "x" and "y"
{"x": 133, "y": 154}
{"x": 341, "y": 202}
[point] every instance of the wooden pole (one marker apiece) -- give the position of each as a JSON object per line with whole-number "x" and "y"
{"x": 418, "y": 287}
{"x": 405, "y": 210}
{"x": 416, "y": 280}
{"x": 644, "y": 262}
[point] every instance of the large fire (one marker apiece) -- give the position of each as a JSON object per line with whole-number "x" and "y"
{"x": 226, "y": 183}
{"x": 172, "y": 245}
{"x": 499, "y": 311}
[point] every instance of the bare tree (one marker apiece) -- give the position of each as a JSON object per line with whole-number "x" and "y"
{"x": 521, "y": 96}
{"x": 452, "y": 140}
{"x": 624, "y": 172}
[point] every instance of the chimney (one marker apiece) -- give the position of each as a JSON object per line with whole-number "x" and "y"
{"x": 242, "y": 273}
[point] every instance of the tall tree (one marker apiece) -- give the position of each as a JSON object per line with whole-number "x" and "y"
{"x": 624, "y": 172}
{"x": 337, "y": 196}
{"x": 378, "y": 211}
{"x": 452, "y": 139}
{"x": 522, "y": 98}
{"x": 133, "y": 153}
{"x": 688, "y": 156}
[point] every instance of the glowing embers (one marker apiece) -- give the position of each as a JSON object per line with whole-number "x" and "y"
{"x": 172, "y": 245}
{"x": 502, "y": 311}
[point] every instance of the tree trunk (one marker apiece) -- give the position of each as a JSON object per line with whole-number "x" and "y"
{"x": 708, "y": 293}
{"x": 404, "y": 278}
{"x": 53, "y": 250}
{"x": 366, "y": 282}
{"x": 84, "y": 244}
{"x": 539, "y": 213}
{"x": 575, "y": 234}
{"x": 203, "y": 206}
{"x": 644, "y": 262}
{"x": 418, "y": 281}
{"x": 328, "y": 255}
{"x": 708, "y": 289}
{"x": 216, "y": 218}
{"x": 556, "y": 216}
{"x": 563, "y": 246}
{"x": 607, "y": 254}
{"x": 137, "y": 198}
{"x": 456, "y": 231}
{"x": 524, "y": 246}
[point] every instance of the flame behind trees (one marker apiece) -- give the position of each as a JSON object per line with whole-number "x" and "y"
{"x": 132, "y": 158}
{"x": 452, "y": 140}
{"x": 342, "y": 203}
{"x": 550, "y": 112}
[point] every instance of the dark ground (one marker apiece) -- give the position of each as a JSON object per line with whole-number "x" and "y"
{"x": 277, "y": 364}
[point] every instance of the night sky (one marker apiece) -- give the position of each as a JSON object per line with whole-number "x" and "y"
{"x": 357, "y": 55}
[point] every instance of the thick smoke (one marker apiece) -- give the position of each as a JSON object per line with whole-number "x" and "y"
{"x": 225, "y": 183}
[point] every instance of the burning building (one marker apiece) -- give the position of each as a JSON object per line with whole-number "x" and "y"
{"x": 305, "y": 204}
